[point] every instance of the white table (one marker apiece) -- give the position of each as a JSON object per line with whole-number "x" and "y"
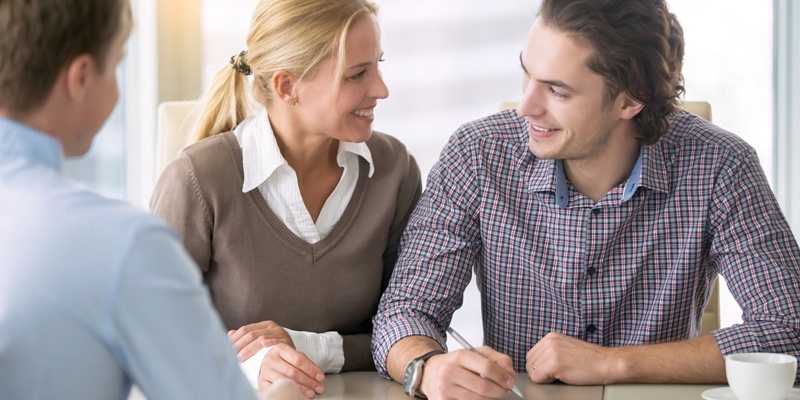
{"x": 369, "y": 385}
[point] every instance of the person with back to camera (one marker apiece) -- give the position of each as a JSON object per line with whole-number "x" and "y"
{"x": 95, "y": 295}
{"x": 294, "y": 210}
{"x": 596, "y": 218}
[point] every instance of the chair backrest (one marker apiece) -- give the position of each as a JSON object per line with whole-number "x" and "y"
{"x": 175, "y": 120}
{"x": 711, "y": 313}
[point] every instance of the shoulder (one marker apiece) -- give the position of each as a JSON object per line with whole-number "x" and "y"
{"x": 71, "y": 217}
{"x": 690, "y": 133}
{"x": 216, "y": 158}
{"x": 498, "y": 138}
{"x": 389, "y": 153}
{"x": 213, "y": 152}
{"x": 504, "y": 126}
{"x": 385, "y": 145}
{"x": 102, "y": 216}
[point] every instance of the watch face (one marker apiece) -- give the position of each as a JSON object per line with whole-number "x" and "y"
{"x": 413, "y": 375}
{"x": 411, "y": 378}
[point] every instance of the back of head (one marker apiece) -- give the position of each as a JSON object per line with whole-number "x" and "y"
{"x": 288, "y": 35}
{"x": 638, "y": 48}
{"x": 40, "y": 37}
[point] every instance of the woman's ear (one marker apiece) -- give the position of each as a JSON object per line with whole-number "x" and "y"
{"x": 283, "y": 85}
{"x": 630, "y": 107}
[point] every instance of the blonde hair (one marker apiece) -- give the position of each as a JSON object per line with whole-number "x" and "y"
{"x": 290, "y": 35}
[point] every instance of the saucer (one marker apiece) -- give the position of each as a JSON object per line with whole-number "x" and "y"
{"x": 725, "y": 393}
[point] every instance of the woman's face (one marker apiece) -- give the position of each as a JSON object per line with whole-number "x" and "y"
{"x": 346, "y": 114}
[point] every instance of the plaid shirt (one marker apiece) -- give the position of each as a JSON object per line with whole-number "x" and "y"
{"x": 636, "y": 267}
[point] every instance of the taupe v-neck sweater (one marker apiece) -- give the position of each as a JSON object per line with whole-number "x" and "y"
{"x": 256, "y": 269}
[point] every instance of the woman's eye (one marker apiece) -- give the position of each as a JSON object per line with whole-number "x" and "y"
{"x": 357, "y": 76}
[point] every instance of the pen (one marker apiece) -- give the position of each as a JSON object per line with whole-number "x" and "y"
{"x": 469, "y": 347}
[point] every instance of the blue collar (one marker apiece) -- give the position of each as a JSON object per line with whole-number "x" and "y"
{"x": 562, "y": 193}
{"x": 20, "y": 140}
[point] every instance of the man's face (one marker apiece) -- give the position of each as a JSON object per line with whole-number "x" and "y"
{"x": 102, "y": 96}
{"x": 563, "y": 100}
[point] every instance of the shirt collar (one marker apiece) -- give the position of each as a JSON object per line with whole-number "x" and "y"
{"x": 261, "y": 156}
{"x": 17, "y": 139}
{"x": 562, "y": 192}
{"x": 633, "y": 181}
{"x": 655, "y": 168}
{"x": 548, "y": 175}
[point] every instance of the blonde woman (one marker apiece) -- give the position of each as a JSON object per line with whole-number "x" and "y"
{"x": 293, "y": 207}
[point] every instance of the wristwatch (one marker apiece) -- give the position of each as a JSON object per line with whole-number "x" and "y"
{"x": 413, "y": 376}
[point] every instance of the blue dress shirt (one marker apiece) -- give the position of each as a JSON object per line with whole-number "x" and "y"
{"x": 96, "y": 295}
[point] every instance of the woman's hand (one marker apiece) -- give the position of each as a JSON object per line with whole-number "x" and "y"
{"x": 284, "y": 362}
{"x": 249, "y": 339}
{"x": 283, "y": 389}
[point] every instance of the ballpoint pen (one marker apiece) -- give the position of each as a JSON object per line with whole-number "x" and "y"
{"x": 460, "y": 339}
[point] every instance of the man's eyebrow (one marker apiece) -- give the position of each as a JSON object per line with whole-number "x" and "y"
{"x": 559, "y": 84}
{"x": 556, "y": 83}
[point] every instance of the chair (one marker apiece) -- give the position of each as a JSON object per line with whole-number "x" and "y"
{"x": 711, "y": 314}
{"x": 175, "y": 119}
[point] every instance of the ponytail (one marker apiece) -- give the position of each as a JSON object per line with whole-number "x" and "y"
{"x": 225, "y": 103}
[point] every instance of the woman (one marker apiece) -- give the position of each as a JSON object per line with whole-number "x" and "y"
{"x": 294, "y": 214}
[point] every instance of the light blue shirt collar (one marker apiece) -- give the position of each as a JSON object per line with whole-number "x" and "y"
{"x": 562, "y": 193}
{"x": 20, "y": 140}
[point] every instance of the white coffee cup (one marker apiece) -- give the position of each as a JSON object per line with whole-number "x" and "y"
{"x": 760, "y": 376}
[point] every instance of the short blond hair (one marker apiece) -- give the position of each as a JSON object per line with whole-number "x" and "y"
{"x": 289, "y": 35}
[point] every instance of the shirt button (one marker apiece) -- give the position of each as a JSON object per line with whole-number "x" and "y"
{"x": 591, "y": 270}
{"x": 590, "y": 328}
{"x": 595, "y": 211}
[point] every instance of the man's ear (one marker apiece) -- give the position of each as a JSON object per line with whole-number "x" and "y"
{"x": 283, "y": 86}
{"x": 630, "y": 107}
{"x": 78, "y": 76}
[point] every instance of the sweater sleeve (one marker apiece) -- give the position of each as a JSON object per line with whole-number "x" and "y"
{"x": 357, "y": 352}
{"x": 179, "y": 200}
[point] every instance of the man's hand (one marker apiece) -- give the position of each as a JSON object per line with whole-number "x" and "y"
{"x": 249, "y": 339}
{"x": 284, "y": 362}
{"x": 462, "y": 374}
{"x": 573, "y": 361}
{"x": 570, "y": 360}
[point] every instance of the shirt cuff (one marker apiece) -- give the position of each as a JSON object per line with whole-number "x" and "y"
{"x": 326, "y": 350}
{"x": 252, "y": 366}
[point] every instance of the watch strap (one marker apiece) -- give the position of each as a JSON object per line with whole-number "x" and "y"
{"x": 429, "y": 354}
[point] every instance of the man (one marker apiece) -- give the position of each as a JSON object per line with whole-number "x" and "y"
{"x": 597, "y": 218}
{"x": 94, "y": 295}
